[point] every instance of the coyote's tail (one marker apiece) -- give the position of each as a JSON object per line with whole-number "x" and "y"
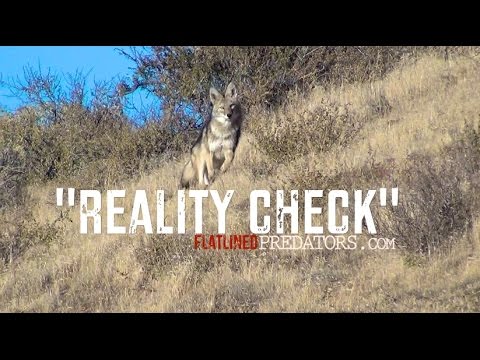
{"x": 188, "y": 175}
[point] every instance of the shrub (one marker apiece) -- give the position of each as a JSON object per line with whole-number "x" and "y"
{"x": 434, "y": 210}
{"x": 438, "y": 196}
{"x": 28, "y": 233}
{"x": 79, "y": 145}
{"x": 12, "y": 178}
{"x": 182, "y": 75}
{"x": 285, "y": 136}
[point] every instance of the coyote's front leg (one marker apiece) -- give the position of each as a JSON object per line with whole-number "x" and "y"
{"x": 228, "y": 154}
{"x": 210, "y": 169}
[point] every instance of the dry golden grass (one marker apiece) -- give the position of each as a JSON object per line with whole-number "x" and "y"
{"x": 419, "y": 108}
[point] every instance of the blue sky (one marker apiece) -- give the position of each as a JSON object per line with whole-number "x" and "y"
{"x": 101, "y": 62}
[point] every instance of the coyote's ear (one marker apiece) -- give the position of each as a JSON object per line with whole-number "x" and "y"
{"x": 214, "y": 95}
{"x": 231, "y": 91}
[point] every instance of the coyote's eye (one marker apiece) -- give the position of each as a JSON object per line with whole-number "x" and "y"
{"x": 232, "y": 106}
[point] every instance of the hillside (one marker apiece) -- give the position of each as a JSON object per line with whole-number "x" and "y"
{"x": 418, "y": 129}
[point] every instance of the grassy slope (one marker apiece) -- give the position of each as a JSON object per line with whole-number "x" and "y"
{"x": 429, "y": 103}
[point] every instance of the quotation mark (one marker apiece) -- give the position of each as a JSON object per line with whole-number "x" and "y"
{"x": 71, "y": 196}
{"x": 383, "y": 196}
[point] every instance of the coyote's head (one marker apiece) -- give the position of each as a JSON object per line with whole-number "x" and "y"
{"x": 225, "y": 108}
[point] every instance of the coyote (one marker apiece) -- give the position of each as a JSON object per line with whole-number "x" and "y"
{"x": 218, "y": 140}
